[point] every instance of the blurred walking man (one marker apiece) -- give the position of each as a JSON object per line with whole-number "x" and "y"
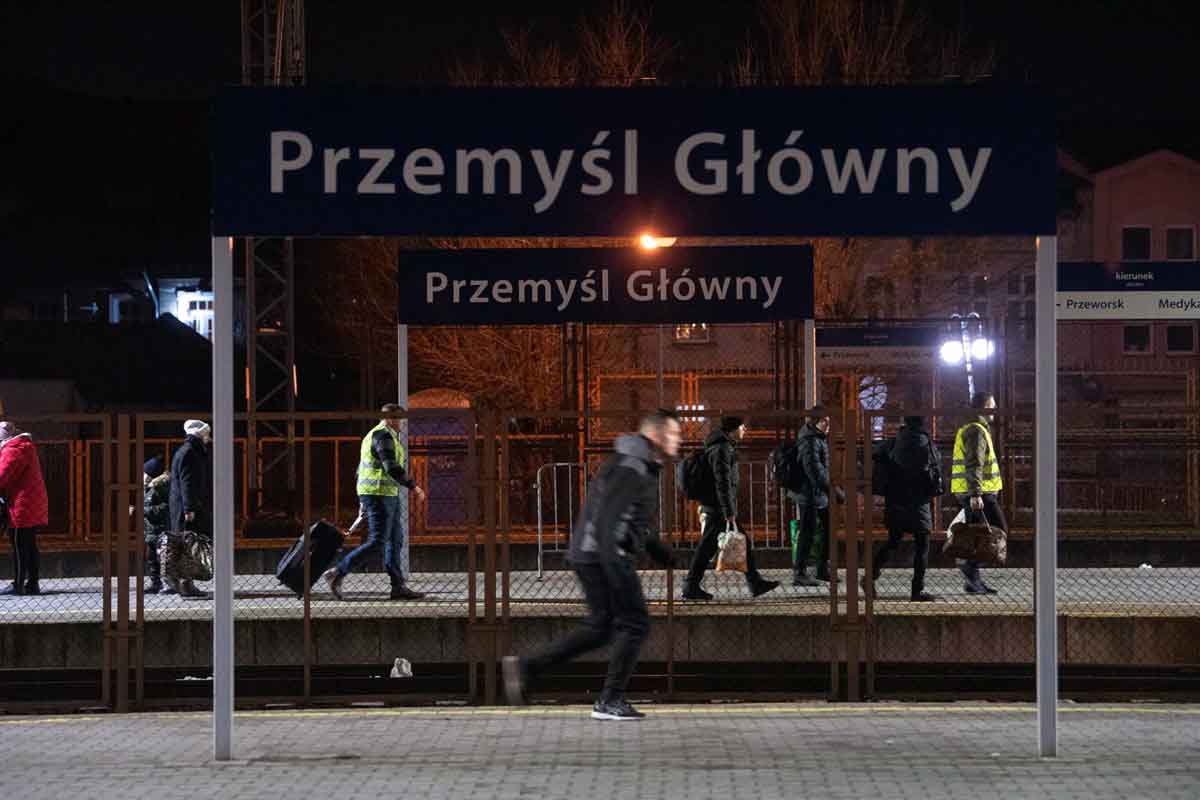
{"x": 617, "y": 523}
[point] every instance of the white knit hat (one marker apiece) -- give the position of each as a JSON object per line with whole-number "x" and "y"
{"x": 197, "y": 427}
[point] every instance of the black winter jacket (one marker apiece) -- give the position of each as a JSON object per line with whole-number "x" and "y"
{"x": 191, "y": 487}
{"x": 906, "y": 505}
{"x": 619, "y": 518}
{"x": 721, "y": 451}
{"x": 812, "y": 450}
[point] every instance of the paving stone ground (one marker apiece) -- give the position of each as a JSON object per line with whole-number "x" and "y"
{"x": 749, "y": 752}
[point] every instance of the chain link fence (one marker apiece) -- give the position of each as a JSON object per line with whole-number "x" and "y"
{"x": 487, "y": 545}
{"x": 57, "y": 631}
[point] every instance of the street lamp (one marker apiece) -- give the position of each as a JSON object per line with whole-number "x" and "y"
{"x": 649, "y": 241}
{"x": 967, "y": 347}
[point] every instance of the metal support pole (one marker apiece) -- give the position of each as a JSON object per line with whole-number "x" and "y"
{"x": 402, "y": 401}
{"x": 222, "y": 444}
{"x": 661, "y": 401}
{"x": 810, "y": 363}
{"x": 1045, "y": 459}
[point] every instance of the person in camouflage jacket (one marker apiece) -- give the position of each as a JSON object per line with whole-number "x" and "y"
{"x": 156, "y": 517}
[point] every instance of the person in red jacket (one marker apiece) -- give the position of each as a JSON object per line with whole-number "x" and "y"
{"x": 24, "y": 493}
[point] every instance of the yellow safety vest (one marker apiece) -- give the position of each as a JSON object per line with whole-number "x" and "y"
{"x": 372, "y": 478}
{"x": 992, "y": 483}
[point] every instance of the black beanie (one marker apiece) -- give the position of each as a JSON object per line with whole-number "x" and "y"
{"x": 730, "y": 424}
{"x": 153, "y": 467}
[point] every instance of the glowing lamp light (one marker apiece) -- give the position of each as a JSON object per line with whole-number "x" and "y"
{"x": 982, "y": 349}
{"x": 952, "y": 352}
{"x": 649, "y": 241}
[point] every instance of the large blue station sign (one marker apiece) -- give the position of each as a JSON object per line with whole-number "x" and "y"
{"x": 614, "y": 284}
{"x": 616, "y": 162}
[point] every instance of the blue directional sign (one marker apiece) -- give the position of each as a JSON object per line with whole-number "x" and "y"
{"x": 613, "y": 284}
{"x": 616, "y": 162}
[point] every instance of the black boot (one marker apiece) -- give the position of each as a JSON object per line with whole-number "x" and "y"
{"x": 401, "y": 591}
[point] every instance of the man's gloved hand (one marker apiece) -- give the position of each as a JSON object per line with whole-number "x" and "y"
{"x": 840, "y": 494}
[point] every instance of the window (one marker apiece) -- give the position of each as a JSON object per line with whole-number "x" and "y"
{"x": 1014, "y": 283}
{"x": 1181, "y": 339}
{"x": 1030, "y": 283}
{"x": 1181, "y": 244}
{"x": 1137, "y": 339}
{"x": 1135, "y": 244}
{"x": 692, "y": 333}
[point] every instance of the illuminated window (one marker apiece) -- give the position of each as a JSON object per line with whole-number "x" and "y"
{"x": 692, "y": 333}
{"x": 196, "y": 310}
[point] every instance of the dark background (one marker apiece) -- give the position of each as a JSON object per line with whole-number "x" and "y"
{"x": 103, "y": 143}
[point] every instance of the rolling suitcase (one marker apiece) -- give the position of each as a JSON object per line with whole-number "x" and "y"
{"x": 324, "y": 543}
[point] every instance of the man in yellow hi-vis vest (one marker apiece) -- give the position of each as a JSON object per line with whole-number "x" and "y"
{"x": 975, "y": 481}
{"x": 380, "y": 477}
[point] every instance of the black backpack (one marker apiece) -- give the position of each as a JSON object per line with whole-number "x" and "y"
{"x": 881, "y": 467}
{"x": 784, "y": 466}
{"x": 693, "y": 476}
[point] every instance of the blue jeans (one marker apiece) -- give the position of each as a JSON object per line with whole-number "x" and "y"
{"x": 383, "y": 527}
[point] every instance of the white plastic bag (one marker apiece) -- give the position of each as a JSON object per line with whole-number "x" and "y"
{"x": 733, "y": 550}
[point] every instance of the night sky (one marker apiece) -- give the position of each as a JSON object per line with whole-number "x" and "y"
{"x": 106, "y": 141}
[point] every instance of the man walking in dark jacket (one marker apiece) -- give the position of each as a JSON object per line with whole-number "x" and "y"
{"x": 719, "y": 511}
{"x": 914, "y": 479}
{"x": 191, "y": 495}
{"x": 618, "y": 522}
{"x": 812, "y": 502}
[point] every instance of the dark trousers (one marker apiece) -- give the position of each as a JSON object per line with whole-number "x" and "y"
{"x": 153, "y": 565}
{"x": 994, "y": 515}
{"x": 385, "y": 529}
{"x": 616, "y": 613}
{"x": 714, "y": 526}
{"x": 26, "y": 559}
{"x": 920, "y": 555}
{"x": 810, "y": 518}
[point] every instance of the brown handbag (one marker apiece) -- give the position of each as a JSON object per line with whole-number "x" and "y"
{"x": 977, "y": 541}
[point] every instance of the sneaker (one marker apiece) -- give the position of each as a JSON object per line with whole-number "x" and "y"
{"x": 33, "y": 588}
{"x": 695, "y": 593}
{"x": 169, "y": 587}
{"x": 804, "y": 579}
{"x": 155, "y": 587}
{"x": 514, "y": 680}
{"x": 404, "y": 593}
{"x": 924, "y": 597}
{"x": 619, "y": 711}
{"x": 823, "y": 575}
{"x": 762, "y": 586}
{"x": 974, "y": 588}
{"x": 334, "y": 578}
{"x": 987, "y": 589}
